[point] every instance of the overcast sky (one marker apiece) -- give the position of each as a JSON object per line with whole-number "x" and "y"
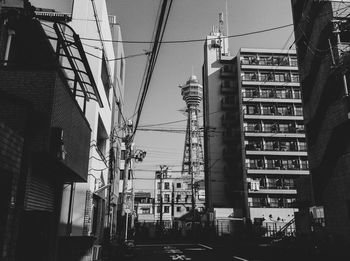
{"x": 189, "y": 19}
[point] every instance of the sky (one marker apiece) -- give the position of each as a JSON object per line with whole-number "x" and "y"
{"x": 189, "y": 19}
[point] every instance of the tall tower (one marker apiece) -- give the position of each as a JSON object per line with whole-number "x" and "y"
{"x": 192, "y": 93}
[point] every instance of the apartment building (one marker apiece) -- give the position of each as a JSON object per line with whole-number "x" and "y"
{"x": 272, "y": 136}
{"x": 254, "y": 138}
{"x": 173, "y": 198}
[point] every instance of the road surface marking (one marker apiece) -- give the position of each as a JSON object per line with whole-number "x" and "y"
{"x": 207, "y": 247}
{"x": 195, "y": 249}
{"x": 151, "y": 245}
{"x": 239, "y": 258}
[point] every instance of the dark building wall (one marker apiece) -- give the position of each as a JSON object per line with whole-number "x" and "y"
{"x": 11, "y": 146}
{"x": 52, "y": 106}
{"x": 326, "y": 109}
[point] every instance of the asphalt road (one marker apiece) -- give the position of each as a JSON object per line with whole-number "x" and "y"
{"x": 169, "y": 252}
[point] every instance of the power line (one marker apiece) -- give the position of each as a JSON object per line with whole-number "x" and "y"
{"x": 195, "y": 40}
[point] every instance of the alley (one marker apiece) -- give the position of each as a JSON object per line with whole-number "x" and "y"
{"x": 178, "y": 252}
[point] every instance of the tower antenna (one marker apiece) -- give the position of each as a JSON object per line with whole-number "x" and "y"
{"x": 227, "y": 34}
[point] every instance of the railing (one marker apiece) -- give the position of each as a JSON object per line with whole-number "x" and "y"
{"x": 271, "y": 95}
{"x": 302, "y": 166}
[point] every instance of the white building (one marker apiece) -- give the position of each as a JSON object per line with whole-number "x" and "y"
{"x": 89, "y": 209}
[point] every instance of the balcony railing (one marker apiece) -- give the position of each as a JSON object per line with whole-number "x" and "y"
{"x": 297, "y": 166}
{"x": 270, "y": 205}
{"x": 271, "y": 95}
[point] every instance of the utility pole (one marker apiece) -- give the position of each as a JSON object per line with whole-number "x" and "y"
{"x": 127, "y": 142}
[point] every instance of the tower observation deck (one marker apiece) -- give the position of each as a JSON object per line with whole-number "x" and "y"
{"x": 192, "y": 165}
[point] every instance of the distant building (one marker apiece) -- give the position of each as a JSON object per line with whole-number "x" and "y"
{"x": 173, "y": 198}
{"x": 255, "y": 145}
{"x": 321, "y": 30}
{"x": 144, "y": 207}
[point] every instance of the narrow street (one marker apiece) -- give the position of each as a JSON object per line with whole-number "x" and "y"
{"x": 178, "y": 251}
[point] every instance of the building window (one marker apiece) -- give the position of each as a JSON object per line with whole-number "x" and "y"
{"x": 166, "y": 209}
{"x": 122, "y": 172}
{"x": 178, "y": 209}
{"x": 122, "y": 155}
{"x": 105, "y": 77}
{"x": 188, "y": 209}
{"x": 178, "y": 185}
{"x": 145, "y": 210}
{"x": 166, "y": 198}
{"x": 101, "y": 139}
{"x": 159, "y": 210}
{"x": 297, "y": 94}
{"x": 166, "y": 185}
{"x": 159, "y": 185}
{"x": 159, "y": 197}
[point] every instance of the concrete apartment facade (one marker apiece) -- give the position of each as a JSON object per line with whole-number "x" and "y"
{"x": 323, "y": 51}
{"x": 254, "y": 140}
{"x": 271, "y": 134}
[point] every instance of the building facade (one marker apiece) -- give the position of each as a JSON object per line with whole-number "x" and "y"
{"x": 255, "y": 145}
{"x": 173, "y": 198}
{"x": 323, "y": 51}
{"x": 271, "y": 134}
{"x": 44, "y": 127}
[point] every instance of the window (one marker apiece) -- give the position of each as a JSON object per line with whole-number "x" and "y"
{"x": 122, "y": 155}
{"x": 298, "y": 111}
{"x": 293, "y": 61}
{"x": 302, "y": 146}
{"x": 297, "y": 94}
{"x": 145, "y": 210}
{"x": 166, "y": 198}
{"x": 105, "y": 77}
{"x": 159, "y": 186}
{"x": 252, "y": 109}
{"x": 101, "y": 139}
{"x": 178, "y": 185}
{"x": 294, "y": 77}
{"x": 280, "y": 77}
{"x": 159, "y": 210}
{"x": 159, "y": 197}
{"x": 166, "y": 185}
{"x": 166, "y": 209}
{"x": 178, "y": 209}
{"x": 122, "y": 172}
{"x": 188, "y": 209}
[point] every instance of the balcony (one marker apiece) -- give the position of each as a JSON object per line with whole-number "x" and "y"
{"x": 274, "y": 191}
{"x": 271, "y": 205}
